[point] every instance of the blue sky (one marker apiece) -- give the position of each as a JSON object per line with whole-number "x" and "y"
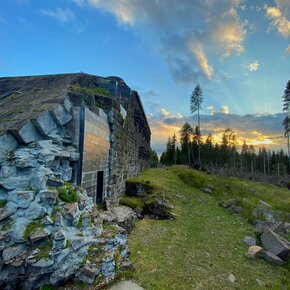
{"x": 238, "y": 51}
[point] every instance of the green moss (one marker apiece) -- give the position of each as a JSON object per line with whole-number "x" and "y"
{"x": 91, "y": 91}
{"x": 67, "y": 193}
{"x": 47, "y": 287}
{"x": 8, "y": 224}
{"x": 31, "y": 228}
{"x": 45, "y": 249}
{"x": 80, "y": 222}
{"x": 3, "y": 203}
{"x": 68, "y": 244}
{"x": 132, "y": 201}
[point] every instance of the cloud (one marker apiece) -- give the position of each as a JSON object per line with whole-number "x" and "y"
{"x": 278, "y": 18}
{"x": 187, "y": 33}
{"x": 202, "y": 60}
{"x": 62, "y": 15}
{"x": 287, "y": 51}
{"x": 258, "y": 130}
{"x": 230, "y": 34}
{"x": 223, "y": 110}
{"x": 254, "y": 65}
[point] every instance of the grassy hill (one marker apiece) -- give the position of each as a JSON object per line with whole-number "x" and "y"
{"x": 204, "y": 245}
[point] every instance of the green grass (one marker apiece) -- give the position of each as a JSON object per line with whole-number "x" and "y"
{"x": 277, "y": 197}
{"x": 205, "y": 243}
{"x": 67, "y": 193}
{"x": 3, "y": 203}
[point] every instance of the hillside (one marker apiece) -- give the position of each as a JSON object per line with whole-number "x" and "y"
{"x": 204, "y": 245}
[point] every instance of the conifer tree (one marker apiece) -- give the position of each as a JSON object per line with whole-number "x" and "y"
{"x": 195, "y": 106}
{"x": 185, "y": 139}
{"x": 286, "y": 121}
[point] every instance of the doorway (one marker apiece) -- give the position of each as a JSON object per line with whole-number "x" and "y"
{"x": 100, "y": 187}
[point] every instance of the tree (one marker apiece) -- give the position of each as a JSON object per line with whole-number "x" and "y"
{"x": 185, "y": 138}
{"x": 286, "y": 121}
{"x": 195, "y": 105}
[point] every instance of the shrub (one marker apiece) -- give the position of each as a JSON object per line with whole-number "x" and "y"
{"x": 67, "y": 193}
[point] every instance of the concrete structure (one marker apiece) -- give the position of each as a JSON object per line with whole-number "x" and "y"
{"x": 101, "y": 117}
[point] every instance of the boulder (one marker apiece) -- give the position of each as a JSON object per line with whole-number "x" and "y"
{"x": 109, "y": 217}
{"x": 61, "y": 115}
{"x": 254, "y": 251}
{"x": 7, "y": 211}
{"x": 276, "y": 244}
{"x": 232, "y": 278}
{"x": 261, "y": 226}
{"x": 272, "y": 258}
{"x": 42, "y": 263}
{"x": 28, "y": 133}
{"x": 87, "y": 274}
{"x": 126, "y": 266}
{"x": 70, "y": 210}
{"x": 13, "y": 252}
{"x": 125, "y": 217}
{"x": 229, "y": 203}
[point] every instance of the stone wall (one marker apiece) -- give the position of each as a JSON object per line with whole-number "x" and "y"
{"x": 96, "y": 146}
{"x": 130, "y": 142}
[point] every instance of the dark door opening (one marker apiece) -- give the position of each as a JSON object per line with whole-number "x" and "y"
{"x": 100, "y": 187}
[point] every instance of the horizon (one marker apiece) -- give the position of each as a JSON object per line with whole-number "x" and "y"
{"x": 238, "y": 51}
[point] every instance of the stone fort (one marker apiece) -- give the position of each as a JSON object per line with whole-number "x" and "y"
{"x": 100, "y": 121}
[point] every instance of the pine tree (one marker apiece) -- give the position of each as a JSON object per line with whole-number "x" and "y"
{"x": 195, "y": 105}
{"x": 286, "y": 121}
{"x": 185, "y": 139}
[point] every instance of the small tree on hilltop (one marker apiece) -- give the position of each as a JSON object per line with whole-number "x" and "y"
{"x": 195, "y": 106}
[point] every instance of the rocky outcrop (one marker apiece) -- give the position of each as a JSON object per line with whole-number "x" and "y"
{"x": 50, "y": 231}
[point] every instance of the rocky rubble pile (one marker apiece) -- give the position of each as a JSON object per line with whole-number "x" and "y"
{"x": 50, "y": 231}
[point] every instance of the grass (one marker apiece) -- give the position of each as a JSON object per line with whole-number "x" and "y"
{"x": 67, "y": 193}
{"x": 204, "y": 245}
{"x": 225, "y": 188}
{"x": 31, "y": 228}
{"x": 3, "y": 203}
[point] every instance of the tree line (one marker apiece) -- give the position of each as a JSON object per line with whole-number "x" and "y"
{"x": 193, "y": 151}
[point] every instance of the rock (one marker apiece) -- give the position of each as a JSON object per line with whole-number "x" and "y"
{"x": 13, "y": 252}
{"x": 261, "y": 226}
{"x": 39, "y": 234}
{"x": 235, "y": 209}
{"x": 206, "y": 190}
{"x": 232, "y": 278}
{"x": 138, "y": 210}
{"x": 254, "y": 251}
{"x": 49, "y": 196}
{"x": 126, "y": 285}
{"x": 125, "y": 217}
{"x": 45, "y": 124}
{"x": 7, "y": 211}
{"x": 59, "y": 235}
{"x": 24, "y": 158}
{"x": 276, "y": 244}
{"x": 88, "y": 274}
{"x": 126, "y": 266}
{"x": 22, "y": 199}
{"x": 272, "y": 258}
{"x": 260, "y": 282}
{"x": 70, "y": 210}
{"x": 53, "y": 182}
{"x": 250, "y": 241}
{"x": 47, "y": 221}
{"x": 79, "y": 242}
{"x": 28, "y": 133}
{"x": 61, "y": 115}
{"x": 229, "y": 203}
{"x": 252, "y": 191}
{"x": 109, "y": 217}
{"x": 43, "y": 263}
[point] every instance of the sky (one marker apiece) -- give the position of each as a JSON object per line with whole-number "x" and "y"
{"x": 237, "y": 50}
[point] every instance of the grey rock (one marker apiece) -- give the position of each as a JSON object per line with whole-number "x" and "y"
{"x": 7, "y": 143}
{"x": 250, "y": 241}
{"x": 61, "y": 255}
{"x": 272, "y": 258}
{"x": 66, "y": 170}
{"x": 126, "y": 217}
{"x": 39, "y": 234}
{"x": 43, "y": 263}
{"x": 87, "y": 274}
{"x": 229, "y": 203}
{"x": 47, "y": 221}
{"x": 45, "y": 124}
{"x": 54, "y": 182}
{"x": 74, "y": 156}
{"x": 126, "y": 285}
{"x": 261, "y": 226}
{"x": 24, "y": 158}
{"x": 16, "y": 182}
{"x": 7, "y": 171}
{"x": 34, "y": 211}
{"x": 7, "y": 211}
{"x": 232, "y": 278}
{"x": 59, "y": 235}
{"x": 16, "y": 232}
{"x": 29, "y": 133}
{"x": 206, "y": 190}
{"x": 13, "y": 252}
{"x": 109, "y": 217}
{"x": 126, "y": 266}
{"x": 61, "y": 115}
{"x": 49, "y": 196}
{"x": 22, "y": 199}
{"x": 79, "y": 242}
{"x": 70, "y": 210}
{"x": 276, "y": 244}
